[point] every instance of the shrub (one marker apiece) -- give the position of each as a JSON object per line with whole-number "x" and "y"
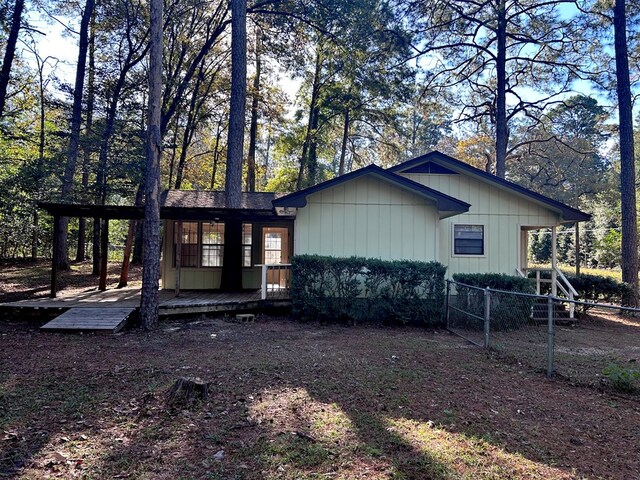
{"x": 622, "y": 378}
{"x": 594, "y": 288}
{"x": 496, "y": 281}
{"x": 359, "y": 289}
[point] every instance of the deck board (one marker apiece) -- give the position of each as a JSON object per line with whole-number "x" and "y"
{"x": 189, "y": 302}
{"x": 106, "y": 319}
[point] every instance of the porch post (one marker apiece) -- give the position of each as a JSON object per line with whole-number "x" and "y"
{"x": 178, "y": 256}
{"x": 524, "y": 249}
{"x": 104, "y": 241}
{"x": 554, "y": 260}
{"x": 54, "y": 257}
{"x": 577, "y": 248}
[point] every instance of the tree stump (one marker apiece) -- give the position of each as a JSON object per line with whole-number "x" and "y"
{"x": 187, "y": 390}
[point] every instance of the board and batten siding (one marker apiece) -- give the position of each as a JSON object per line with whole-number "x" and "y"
{"x": 367, "y": 217}
{"x": 503, "y": 215}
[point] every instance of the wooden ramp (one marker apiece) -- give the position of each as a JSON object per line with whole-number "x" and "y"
{"x": 93, "y": 319}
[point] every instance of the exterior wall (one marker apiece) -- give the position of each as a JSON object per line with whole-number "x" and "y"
{"x": 503, "y": 215}
{"x": 208, "y": 278}
{"x": 370, "y": 218}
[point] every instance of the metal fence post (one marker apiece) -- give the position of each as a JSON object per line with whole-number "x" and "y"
{"x": 446, "y": 303}
{"x": 487, "y": 316}
{"x": 550, "y": 337}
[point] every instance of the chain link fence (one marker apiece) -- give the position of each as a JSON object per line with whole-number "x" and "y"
{"x": 599, "y": 346}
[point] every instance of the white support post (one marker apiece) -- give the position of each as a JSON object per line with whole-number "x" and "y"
{"x": 264, "y": 283}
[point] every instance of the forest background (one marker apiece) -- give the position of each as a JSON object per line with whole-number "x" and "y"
{"x": 527, "y": 90}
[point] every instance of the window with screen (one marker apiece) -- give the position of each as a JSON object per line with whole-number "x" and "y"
{"x": 468, "y": 239}
{"x": 212, "y": 244}
{"x": 189, "y": 248}
{"x": 272, "y": 248}
{"x": 246, "y": 244}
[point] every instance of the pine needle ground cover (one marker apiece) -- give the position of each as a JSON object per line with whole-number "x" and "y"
{"x": 296, "y": 401}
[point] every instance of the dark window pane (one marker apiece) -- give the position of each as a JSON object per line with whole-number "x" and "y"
{"x": 189, "y": 248}
{"x": 468, "y": 240}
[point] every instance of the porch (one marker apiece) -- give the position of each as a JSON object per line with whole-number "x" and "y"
{"x": 188, "y": 303}
{"x": 550, "y": 275}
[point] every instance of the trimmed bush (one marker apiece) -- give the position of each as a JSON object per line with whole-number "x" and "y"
{"x": 593, "y": 288}
{"x": 357, "y": 289}
{"x": 497, "y": 281}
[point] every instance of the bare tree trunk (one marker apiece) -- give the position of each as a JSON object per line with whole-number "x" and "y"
{"x": 313, "y": 148}
{"x": 173, "y": 151}
{"x": 87, "y": 148}
{"x": 629, "y": 252}
{"x": 189, "y": 127}
{"x": 232, "y": 258}
{"x": 502, "y": 131}
{"x": 76, "y": 121}
{"x": 253, "y": 130}
{"x": 128, "y": 245}
{"x": 10, "y": 52}
{"x": 216, "y": 154}
{"x": 40, "y": 165}
{"x": 149, "y": 300}
{"x": 95, "y": 242}
{"x": 304, "y": 175}
{"x": 345, "y": 139}
{"x": 266, "y": 156}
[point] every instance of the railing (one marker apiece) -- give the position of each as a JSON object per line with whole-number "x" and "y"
{"x": 275, "y": 281}
{"x": 557, "y": 281}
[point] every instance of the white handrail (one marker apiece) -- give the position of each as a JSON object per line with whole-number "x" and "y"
{"x": 264, "y": 287}
{"x": 566, "y": 282}
{"x": 558, "y": 280}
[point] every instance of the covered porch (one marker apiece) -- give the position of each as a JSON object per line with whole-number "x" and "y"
{"x": 193, "y": 241}
{"x": 549, "y": 275}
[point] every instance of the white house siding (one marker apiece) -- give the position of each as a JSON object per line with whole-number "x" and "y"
{"x": 367, "y": 217}
{"x": 502, "y": 213}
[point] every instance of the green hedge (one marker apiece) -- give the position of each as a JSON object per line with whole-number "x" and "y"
{"x": 356, "y": 289}
{"x": 593, "y": 288}
{"x": 497, "y": 281}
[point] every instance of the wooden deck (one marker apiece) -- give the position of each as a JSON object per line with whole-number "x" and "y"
{"x": 189, "y": 302}
{"x": 93, "y": 319}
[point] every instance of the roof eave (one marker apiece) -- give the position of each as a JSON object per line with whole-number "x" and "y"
{"x": 443, "y": 202}
{"x": 568, "y": 214}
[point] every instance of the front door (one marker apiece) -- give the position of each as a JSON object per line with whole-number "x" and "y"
{"x": 275, "y": 250}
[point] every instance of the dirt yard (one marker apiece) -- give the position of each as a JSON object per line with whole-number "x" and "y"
{"x": 296, "y": 401}
{"x": 27, "y": 280}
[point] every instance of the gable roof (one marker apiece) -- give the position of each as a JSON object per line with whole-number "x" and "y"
{"x": 569, "y": 214}
{"x": 446, "y": 205}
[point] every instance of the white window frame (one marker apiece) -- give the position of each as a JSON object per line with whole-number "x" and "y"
{"x": 202, "y": 244}
{"x": 469, "y": 255}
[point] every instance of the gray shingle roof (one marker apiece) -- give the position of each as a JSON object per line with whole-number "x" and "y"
{"x": 216, "y": 200}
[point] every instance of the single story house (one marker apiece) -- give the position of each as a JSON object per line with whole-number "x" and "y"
{"x": 432, "y": 207}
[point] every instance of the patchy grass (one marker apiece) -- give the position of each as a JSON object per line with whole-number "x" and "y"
{"x": 292, "y": 401}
